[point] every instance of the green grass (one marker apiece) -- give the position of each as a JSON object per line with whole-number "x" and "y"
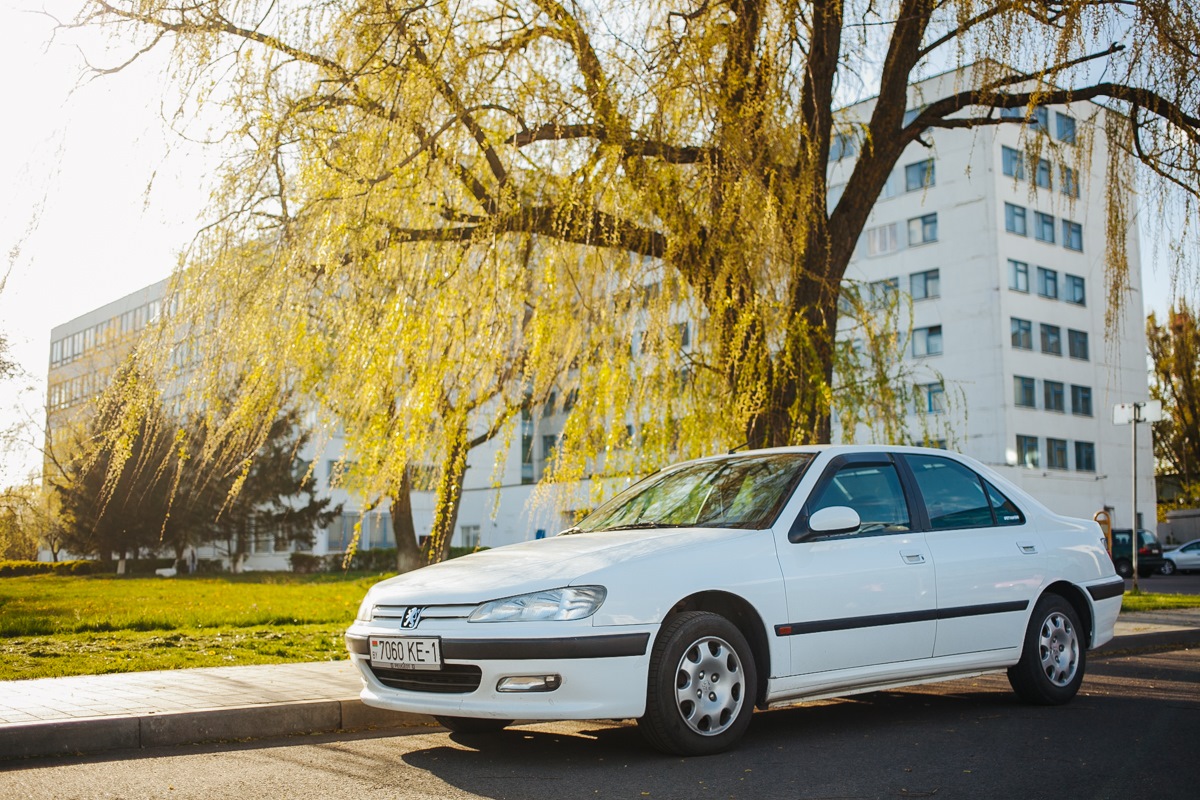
{"x": 54, "y": 626}
{"x": 1149, "y": 601}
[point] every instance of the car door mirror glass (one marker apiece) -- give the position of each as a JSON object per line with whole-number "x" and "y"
{"x": 834, "y": 520}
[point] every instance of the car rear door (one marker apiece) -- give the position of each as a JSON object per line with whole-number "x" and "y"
{"x": 988, "y": 560}
{"x": 861, "y": 598}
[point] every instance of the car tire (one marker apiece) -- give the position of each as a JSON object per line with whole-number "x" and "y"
{"x": 701, "y": 686}
{"x": 1168, "y": 567}
{"x": 1054, "y": 654}
{"x": 1123, "y": 567}
{"x": 473, "y": 724}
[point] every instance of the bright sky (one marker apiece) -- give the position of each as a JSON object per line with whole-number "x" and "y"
{"x": 98, "y": 195}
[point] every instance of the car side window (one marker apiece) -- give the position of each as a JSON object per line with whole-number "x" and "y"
{"x": 873, "y": 491}
{"x": 954, "y": 495}
{"x": 1006, "y": 510}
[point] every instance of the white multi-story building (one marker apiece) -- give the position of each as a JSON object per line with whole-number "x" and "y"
{"x": 994, "y": 239}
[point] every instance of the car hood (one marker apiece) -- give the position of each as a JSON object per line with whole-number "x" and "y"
{"x": 537, "y": 565}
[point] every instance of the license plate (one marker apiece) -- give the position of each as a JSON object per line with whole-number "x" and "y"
{"x": 396, "y": 652}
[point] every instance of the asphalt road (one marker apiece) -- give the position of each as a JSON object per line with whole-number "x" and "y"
{"x": 1169, "y": 584}
{"x": 1130, "y": 733}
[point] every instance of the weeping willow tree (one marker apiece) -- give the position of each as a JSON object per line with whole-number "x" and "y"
{"x": 458, "y": 209}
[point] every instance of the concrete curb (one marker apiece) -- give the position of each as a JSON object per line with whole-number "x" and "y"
{"x": 102, "y": 734}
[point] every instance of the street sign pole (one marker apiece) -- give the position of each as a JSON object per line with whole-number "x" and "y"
{"x": 1131, "y": 414}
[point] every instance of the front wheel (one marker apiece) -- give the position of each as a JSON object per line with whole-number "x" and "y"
{"x": 473, "y": 724}
{"x": 1168, "y": 567}
{"x": 701, "y": 686}
{"x": 1053, "y": 657}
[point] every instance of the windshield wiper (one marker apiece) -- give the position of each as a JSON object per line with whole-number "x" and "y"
{"x": 634, "y": 526}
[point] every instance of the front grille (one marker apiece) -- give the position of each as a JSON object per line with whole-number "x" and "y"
{"x": 450, "y": 679}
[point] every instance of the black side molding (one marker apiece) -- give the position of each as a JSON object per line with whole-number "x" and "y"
{"x": 1103, "y": 591}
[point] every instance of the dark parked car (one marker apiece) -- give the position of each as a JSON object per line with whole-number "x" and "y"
{"x": 1149, "y": 556}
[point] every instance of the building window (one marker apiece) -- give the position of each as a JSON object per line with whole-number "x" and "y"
{"x": 1043, "y": 227}
{"x": 927, "y": 341}
{"x": 1022, "y": 334}
{"x": 1023, "y": 392}
{"x": 1085, "y": 457}
{"x": 1056, "y": 453}
{"x": 923, "y": 285}
{"x": 1047, "y": 283}
{"x": 842, "y": 146}
{"x": 1076, "y": 290}
{"x": 882, "y": 240}
{"x": 1012, "y": 163}
{"x": 934, "y": 396}
{"x": 1070, "y": 182}
{"x": 1065, "y": 127}
{"x": 1053, "y": 395}
{"x": 470, "y": 536}
{"x": 1027, "y": 451}
{"x": 1051, "y": 339}
{"x": 1041, "y": 119}
{"x": 1042, "y": 176}
{"x": 922, "y": 230}
{"x": 1081, "y": 401}
{"x": 1018, "y": 276}
{"x": 1077, "y": 341}
{"x": 919, "y": 175}
{"x": 1072, "y": 235}
{"x": 1014, "y": 219}
{"x": 882, "y": 293}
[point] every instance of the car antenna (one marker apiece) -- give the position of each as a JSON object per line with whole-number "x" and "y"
{"x": 744, "y": 444}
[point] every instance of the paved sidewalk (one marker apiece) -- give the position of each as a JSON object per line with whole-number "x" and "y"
{"x": 90, "y": 714}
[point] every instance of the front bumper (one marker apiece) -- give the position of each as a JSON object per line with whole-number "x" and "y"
{"x": 603, "y": 672}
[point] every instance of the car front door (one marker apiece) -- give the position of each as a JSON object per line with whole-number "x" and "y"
{"x": 989, "y": 561}
{"x": 864, "y": 597}
{"x": 1188, "y": 556}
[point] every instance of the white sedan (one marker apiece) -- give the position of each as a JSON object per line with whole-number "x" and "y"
{"x": 740, "y": 581}
{"x": 1184, "y": 558}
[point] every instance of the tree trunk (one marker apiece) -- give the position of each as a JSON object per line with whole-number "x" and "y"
{"x": 408, "y": 552}
{"x": 449, "y": 492}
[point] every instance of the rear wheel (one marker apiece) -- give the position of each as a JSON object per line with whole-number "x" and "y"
{"x": 473, "y": 724}
{"x": 1123, "y": 567}
{"x": 1053, "y": 658}
{"x": 700, "y": 691}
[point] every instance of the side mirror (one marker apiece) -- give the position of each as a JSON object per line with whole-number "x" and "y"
{"x": 834, "y": 520}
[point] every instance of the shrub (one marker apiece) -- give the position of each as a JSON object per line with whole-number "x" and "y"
{"x": 12, "y": 569}
{"x": 306, "y": 563}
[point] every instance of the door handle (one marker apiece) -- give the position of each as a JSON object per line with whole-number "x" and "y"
{"x": 912, "y": 557}
{"x": 1028, "y": 548}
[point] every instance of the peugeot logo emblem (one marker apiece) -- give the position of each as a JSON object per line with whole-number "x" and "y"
{"x": 412, "y": 616}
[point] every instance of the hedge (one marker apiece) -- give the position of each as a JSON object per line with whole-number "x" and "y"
{"x": 12, "y": 569}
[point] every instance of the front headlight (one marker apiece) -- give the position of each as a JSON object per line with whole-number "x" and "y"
{"x": 364, "y": 609}
{"x": 569, "y": 602}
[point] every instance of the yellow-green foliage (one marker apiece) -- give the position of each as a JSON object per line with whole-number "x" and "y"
{"x": 437, "y": 214}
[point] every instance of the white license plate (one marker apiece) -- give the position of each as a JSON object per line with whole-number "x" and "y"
{"x": 405, "y": 652}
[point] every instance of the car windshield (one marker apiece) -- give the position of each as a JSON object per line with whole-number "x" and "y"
{"x": 737, "y": 492}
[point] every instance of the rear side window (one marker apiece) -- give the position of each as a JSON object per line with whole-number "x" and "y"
{"x": 956, "y": 497}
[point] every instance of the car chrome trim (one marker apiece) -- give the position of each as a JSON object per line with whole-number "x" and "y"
{"x": 1103, "y": 591}
{"x": 900, "y": 618}
{"x": 611, "y": 646}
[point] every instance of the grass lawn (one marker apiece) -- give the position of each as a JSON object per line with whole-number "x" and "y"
{"x": 83, "y": 625}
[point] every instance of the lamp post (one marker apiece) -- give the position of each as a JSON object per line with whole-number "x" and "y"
{"x": 1131, "y": 414}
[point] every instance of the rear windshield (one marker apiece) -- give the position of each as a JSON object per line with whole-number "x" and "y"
{"x": 736, "y": 492}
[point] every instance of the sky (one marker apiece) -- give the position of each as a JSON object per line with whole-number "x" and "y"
{"x": 99, "y": 195}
